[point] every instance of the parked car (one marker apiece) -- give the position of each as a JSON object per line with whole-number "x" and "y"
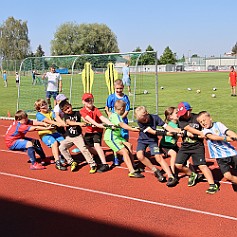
{"x": 212, "y": 68}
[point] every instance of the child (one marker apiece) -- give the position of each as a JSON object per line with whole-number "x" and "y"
{"x": 93, "y": 134}
{"x": 109, "y": 108}
{"x": 59, "y": 114}
{"x": 15, "y": 138}
{"x": 50, "y": 138}
{"x": 168, "y": 143}
{"x": 17, "y": 79}
{"x": 126, "y": 77}
{"x": 148, "y": 138}
{"x": 192, "y": 146}
{"x": 117, "y": 143}
{"x": 4, "y": 76}
{"x": 74, "y": 136}
{"x": 232, "y": 80}
{"x": 218, "y": 137}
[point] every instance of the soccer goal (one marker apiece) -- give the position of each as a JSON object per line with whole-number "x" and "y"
{"x": 94, "y": 73}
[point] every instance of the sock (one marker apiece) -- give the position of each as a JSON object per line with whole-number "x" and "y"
{"x": 31, "y": 154}
{"x": 154, "y": 169}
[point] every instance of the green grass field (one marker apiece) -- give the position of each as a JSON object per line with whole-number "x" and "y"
{"x": 222, "y": 108}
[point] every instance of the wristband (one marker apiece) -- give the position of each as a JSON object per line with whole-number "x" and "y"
{"x": 225, "y": 139}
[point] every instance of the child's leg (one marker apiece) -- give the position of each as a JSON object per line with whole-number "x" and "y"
{"x": 163, "y": 164}
{"x": 172, "y": 155}
{"x": 125, "y": 153}
{"x": 63, "y": 148}
{"x": 100, "y": 152}
{"x": 31, "y": 152}
{"x": 145, "y": 161}
{"x": 230, "y": 177}
{"x": 55, "y": 151}
{"x": 79, "y": 142}
{"x": 38, "y": 149}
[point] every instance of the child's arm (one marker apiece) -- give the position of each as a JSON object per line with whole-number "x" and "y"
{"x": 231, "y": 134}
{"x": 194, "y": 131}
{"x": 51, "y": 122}
{"x": 105, "y": 120}
{"x": 74, "y": 123}
{"x": 218, "y": 138}
{"x": 92, "y": 121}
{"x": 39, "y": 128}
{"x": 125, "y": 114}
{"x": 59, "y": 120}
{"x": 38, "y": 123}
{"x": 127, "y": 127}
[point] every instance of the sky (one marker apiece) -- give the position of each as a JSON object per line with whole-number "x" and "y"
{"x": 187, "y": 27}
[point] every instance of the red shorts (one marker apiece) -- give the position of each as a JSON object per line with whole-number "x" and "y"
{"x": 233, "y": 82}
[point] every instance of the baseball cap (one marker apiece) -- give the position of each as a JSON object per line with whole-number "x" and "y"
{"x": 61, "y": 97}
{"x": 87, "y": 96}
{"x": 183, "y": 107}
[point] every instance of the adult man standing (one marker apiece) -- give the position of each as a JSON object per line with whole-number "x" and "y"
{"x": 54, "y": 85}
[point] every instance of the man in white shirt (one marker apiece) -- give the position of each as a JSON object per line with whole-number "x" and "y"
{"x": 54, "y": 84}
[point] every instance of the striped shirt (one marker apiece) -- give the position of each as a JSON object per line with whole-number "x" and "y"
{"x": 219, "y": 149}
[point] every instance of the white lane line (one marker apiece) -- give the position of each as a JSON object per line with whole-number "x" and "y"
{"x": 123, "y": 197}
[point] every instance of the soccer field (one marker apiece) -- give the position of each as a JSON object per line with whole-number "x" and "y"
{"x": 222, "y": 107}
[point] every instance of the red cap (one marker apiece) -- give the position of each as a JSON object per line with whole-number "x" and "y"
{"x": 87, "y": 96}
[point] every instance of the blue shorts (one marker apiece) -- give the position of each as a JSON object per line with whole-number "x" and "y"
{"x": 154, "y": 149}
{"x": 126, "y": 82}
{"x": 50, "y": 139}
{"x": 50, "y": 94}
{"x": 20, "y": 144}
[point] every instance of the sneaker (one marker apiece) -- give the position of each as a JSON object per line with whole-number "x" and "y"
{"x": 59, "y": 166}
{"x": 93, "y": 169}
{"x": 103, "y": 168}
{"x": 47, "y": 161}
{"x": 159, "y": 176}
{"x": 116, "y": 161}
{"x": 37, "y": 166}
{"x": 213, "y": 188}
{"x": 130, "y": 94}
{"x": 172, "y": 181}
{"x": 192, "y": 179}
{"x": 136, "y": 175}
{"x": 73, "y": 166}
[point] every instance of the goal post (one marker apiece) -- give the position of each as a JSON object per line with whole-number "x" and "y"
{"x": 98, "y": 66}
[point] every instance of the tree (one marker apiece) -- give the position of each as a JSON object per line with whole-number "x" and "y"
{"x": 73, "y": 39}
{"x": 39, "y": 52}
{"x": 168, "y": 57}
{"x": 14, "y": 42}
{"x": 234, "y": 49}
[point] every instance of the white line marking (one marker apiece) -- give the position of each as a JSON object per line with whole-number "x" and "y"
{"x": 124, "y": 197}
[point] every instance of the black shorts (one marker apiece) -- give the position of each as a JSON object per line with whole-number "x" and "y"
{"x": 227, "y": 163}
{"x": 198, "y": 156}
{"x": 165, "y": 150}
{"x": 91, "y": 138}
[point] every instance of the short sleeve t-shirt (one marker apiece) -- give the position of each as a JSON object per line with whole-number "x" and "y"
{"x": 73, "y": 131}
{"x": 111, "y": 101}
{"x": 169, "y": 141}
{"x": 154, "y": 121}
{"x": 192, "y": 122}
{"x": 15, "y": 132}
{"x": 115, "y": 133}
{"x": 40, "y": 117}
{"x": 219, "y": 149}
{"x": 53, "y": 81}
{"x": 95, "y": 114}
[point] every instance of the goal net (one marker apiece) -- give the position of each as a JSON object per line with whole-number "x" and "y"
{"x": 94, "y": 73}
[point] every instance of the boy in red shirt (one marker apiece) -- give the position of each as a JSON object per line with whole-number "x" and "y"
{"x": 93, "y": 134}
{"x": 232, "y": 80}
{"x": 15, "y": 138}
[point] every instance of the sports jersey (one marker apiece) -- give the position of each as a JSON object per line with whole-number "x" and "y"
{"x": 232, "y": 76}
{"x": 53, "y": 79}
{"x": 73, "y": 131}
{"x": 113, "y": 133}
{"x": 154, "y": 121}
{"x": 219, "y": 149}
{"x": 192, "y": 122}
{"x": 16, "y": 131}
{"x": 126, "y": 72}
{"x": 95, "y": 114}
{"x": 40, "y": 117}
{"x": 111, "y": 101}
{"x": 169, "y": 141}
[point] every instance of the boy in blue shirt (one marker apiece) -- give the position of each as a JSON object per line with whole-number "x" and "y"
{"x": 109, "y": 108}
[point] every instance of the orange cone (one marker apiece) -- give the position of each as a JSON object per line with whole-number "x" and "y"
{"x": 8, "y": 114}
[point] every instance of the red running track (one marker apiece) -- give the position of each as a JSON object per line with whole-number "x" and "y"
{"x": 62, "y": 203}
